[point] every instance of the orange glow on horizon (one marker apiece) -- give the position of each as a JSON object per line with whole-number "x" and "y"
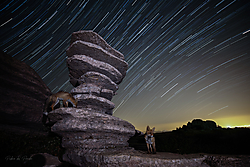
{"x": 233, "y": 121}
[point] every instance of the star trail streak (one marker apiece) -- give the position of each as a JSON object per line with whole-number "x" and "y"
{"x": 187, "y": 59}
{"x": 208, "y": 86}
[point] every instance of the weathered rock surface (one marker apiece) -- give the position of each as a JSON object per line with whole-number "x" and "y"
{"x": 98, "y": 53}
{"x": 87, "y": 132}
{"x": 132, "y": 158}
{"x": 90, "y": 122}
{"x": 96, "y": 78}
{"x": 86, "y": 89}
{"x": 95, "y": 103}
{"x": 22, "y": 95}
{"x": 95, "y": 69}
{"x": 80, "y": 64}
{"x": 92, "y": 37}
{"x": 106, "y": 93}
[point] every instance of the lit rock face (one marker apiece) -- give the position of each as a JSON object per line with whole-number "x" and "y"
{"x": 97, "y": 53}
{"x": 80, "y": 64}
{"x": 90, "y": 129}
{"x": 95, "y": 70}
{"x": 94, "y": 38}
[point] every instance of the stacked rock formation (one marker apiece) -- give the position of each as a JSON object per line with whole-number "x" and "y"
{"x": 95, "y": 70}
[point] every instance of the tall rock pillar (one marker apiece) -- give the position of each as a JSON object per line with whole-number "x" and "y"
{"x": 90, "y": 130}
{"x": 95, "y": 69}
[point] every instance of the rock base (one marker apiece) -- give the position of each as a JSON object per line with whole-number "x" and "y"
{"x": 128, "y": 157}
{"x": 87, "y": 134}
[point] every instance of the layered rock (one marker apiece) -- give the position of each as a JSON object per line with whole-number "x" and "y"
{"x": 97, "y": 53}
{"x": 95, "y": 78}
{"x": 22, "y": 96}
{"x": 87, "y": 134}
{"x": 83, "y": 129}
{"x": 95, "y": 70}
{"x": 94, "y": 38}
{"x": 80, "y": 64}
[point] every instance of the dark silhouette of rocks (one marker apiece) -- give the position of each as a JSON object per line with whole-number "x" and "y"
{"x": 138, "y": 133}
{"x": 23, "y": 95}
{"x": 198, "y": 124}
{"x": 90, "y": 131}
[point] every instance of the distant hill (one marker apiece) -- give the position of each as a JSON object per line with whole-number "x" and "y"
{"x": 198, "y": 124}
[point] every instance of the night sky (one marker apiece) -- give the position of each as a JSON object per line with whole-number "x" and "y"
{"x": 187, "y": 59}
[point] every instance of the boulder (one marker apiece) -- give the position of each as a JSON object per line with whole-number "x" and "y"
{"x": 133, "y": 158}
{"x": 92, "y": 89}
{"x": 86, "y": 132}
{"x": 106, "y": 93}
{"x": 22, "y": 96}
{"x": 92, "y": 37}
{"x": 97, "y": 53}
{"x": 80, "y": 120}
{"x": 86, "y": 89}
{"x": 96, "y": 78}
{"x": 80, "y": 64}
{"x": 94, "y": 103}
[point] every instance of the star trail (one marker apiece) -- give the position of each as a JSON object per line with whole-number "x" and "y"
{"x": 187, "y": 58}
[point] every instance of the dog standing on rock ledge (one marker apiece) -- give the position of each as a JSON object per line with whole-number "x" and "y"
{"x": 150, "y": 140}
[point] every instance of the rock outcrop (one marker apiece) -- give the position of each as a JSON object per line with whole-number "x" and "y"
{"x": 198, "y": 124}
{"x": 22, "y": 96}
{"x": 95, "y": 69}
{"x": 86, "y": 134}
{"x": 90, "y": 130}
{"x": 133, "y": 158}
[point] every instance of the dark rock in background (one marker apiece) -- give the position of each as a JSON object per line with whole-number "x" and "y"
{"x": 198, "y": 124}
{"x": 138, "y": 133}
{"x": 22, "y": 95}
